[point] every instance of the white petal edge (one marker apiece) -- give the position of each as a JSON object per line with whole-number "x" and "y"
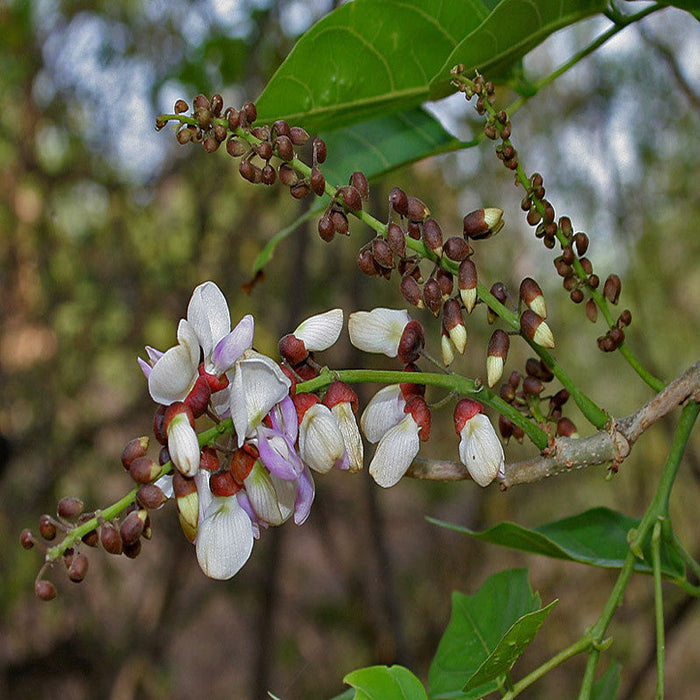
{"x": 384, "y": 411}
{"x": 480, "y": 450}
{"x": 209, "y": 315}
{"x": 321, "y": 331}
{"x": 378, "y": 330}
{"x": 395, "y": 452}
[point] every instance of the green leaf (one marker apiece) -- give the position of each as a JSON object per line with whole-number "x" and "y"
{"x": 513, "y": 29}
{"x": 366, "y": 58}
{"x": 381, "y": 145}
{"x": 597, "y": 537}
{"x": 487, "y": 632}
{"x": 606, "y": 687}
{"x": 385, "y": 683}
{"x": 373, "y": 57}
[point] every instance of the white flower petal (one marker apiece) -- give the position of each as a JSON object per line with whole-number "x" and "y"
{"x": 173, "y": 376}
{"x": 395, "y": 452}
{"x": 258, "y": 384}
{"x": 262, "y": 495}
{"x": 378, "y": 330}
{"x": 321, "y": 331}
{"x": 480, "y": 449}
{"x": 384, "y": 411}
{"x": 321, "y": 443}
{"x": 209, "y": 315}
{"x": 225, "y": 538}
{"x": 351, "y": 434}
{"x": 183, "y": 445}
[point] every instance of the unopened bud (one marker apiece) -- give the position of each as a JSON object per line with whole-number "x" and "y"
{"x": 300, "y": 190}
{"x": 326, "y": 230}
{"x": 532, "y": 386}
{"x": 454, "y": 324}
{"x": 45, "y": 590}
{"x": 432, "y": 296}
{"x": 298, "y": 135}
{"x": 359, "y": 181}
{"x": 285, "y": 149}
{"x": 251, "y": 112}
{"x": 591, "y": 311}
{"x": 396, "y": 239}
{"x": 467, "y": 283}
{"x": 566, "y": 428}
{"x": 456, "y": 248}
{"x": 69, "y": 507}
{"x": 292, "y": 349}
{"x": 319, "y": 150}
{"x": 536, "y": 368}
{"x": 496, "y": 356}
{"x": 612, "y": 288}
{"x": 351, "y": 198}
{"x": 416, "y": 210}
{"x": 411, "y": 291}
{"x": 382, "y": 253}
{"x": 132, "y": 550}
{"x": 187, "y": 502}
{"x": 132, "y": 527}
{"x": 340, "y": 222}
{"x": 134, "y": 448}
{"x": 111, "y": 539}
{"x": 432, "y": 237}
{"x": 398, "y": 201}
{"x": 625, "y": 318}
{"x": 446, "y": 282}
{"x": 150, "y": 496}
{"x": 581, "y": 242}
{"x": 317, "y": 181}
{"x": 181, "y": 106}
{"x": 26, "y": 539}
{"x": 412, "y": 342}
{"x": 47, "y": 528}
{"x": 78, "y": 568}
{"x": 483, "y": 223}
{"x": 447, "y": 347}
{"x": 505, "y": 427}
{"x": 535, "y": 328}
{"x": 532, "y": 296}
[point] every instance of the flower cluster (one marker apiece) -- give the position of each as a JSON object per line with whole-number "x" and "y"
{"x": 226, "y": 493}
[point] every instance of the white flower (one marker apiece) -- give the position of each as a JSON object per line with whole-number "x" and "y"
{"x": 479, "y": 447}
{"x": 321, "y": 443}
{"x": 321, "y": 331}
{"x": 379, "y": 330}
{"x": 397, "y": 448}
{"x": 384, "y": 410}
{"x": 183, "y": 444}
{"x": 351, "y": 434}
{"x": 224, "y": 538}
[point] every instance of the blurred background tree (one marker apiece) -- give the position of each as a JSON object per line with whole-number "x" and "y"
{"x": 105, "y": 228}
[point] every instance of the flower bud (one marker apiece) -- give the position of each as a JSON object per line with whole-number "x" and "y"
{"x": 396, "y": 239}
{"x": 611, "y": 289}
{"x": 496, "y": 356}
{"x": 411, "y": 343}
{"x": 416, "y": 210}
{"x": 351, "y": 198}
{"x": 411, "y": 291}
{"x": 326, "y": 230}
{"x": 483, "y": 223}
{"x": 281, "y": 128}
{"x": 535, "y": 328}
{"x": 111, "y": 539}
{"x": 183, "y": 444}
{"x": 467, "y": 282}
{"x": 432, "y": 237}
{"x": 298, "y": 135}
{"x": 47, "y": 528}
{"x": 340, "y": 222}
{"x": 398, "y": 201}
{"x": 45, "y": 590}
{"x": 532, "y": 386}
{"x": 454, "y": 324}
{"x": 285, "y": 150}
{"x": 446, "y": 282}
{"x": 242, "y": 463}
{"x": 382, "y": 253}
{"x": 418, "y": 409}
{"x": 537, "y": 368}
{"x": 457, "y": 249}
{"x": 198, "y": 398}
{"x": 432, "y": 296}
{"x": 359, "y": 181}
{"x": 187, "y": 502}
{"x": 134, "y": 448}
{"x": 78, "y": 568}
{"x": 591, "y": 310}
{"x": 566, "y": 428}
{"x": 69, "y": 508}
{"x": 532, "y": 296}
{"x": 447, "y": 347}
{"x": 292, "y": 349}
{"x": 319, "y": 150}
{"x": 150, "y": 496}
{"x": 318, "y": 181}
{"x": 132, "y": 527}
{"x": 26, "y": 539}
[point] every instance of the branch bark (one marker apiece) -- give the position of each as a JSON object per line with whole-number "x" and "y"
{"x": 609, "y": 446}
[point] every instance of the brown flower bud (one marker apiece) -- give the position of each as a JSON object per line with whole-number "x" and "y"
{"x": 515, "y": 378}
{"x": 201, "y": 102}
{"x": 292, "y": 349}
{"x": 382, "y": 253}
{"x": 300, "y": 190}
{"x": 340, "y": 222}
{"x": 132, "y": 550}
{"x": 532, "y": 386}
{"x": 413, "y": 229}
{"x": 111, "y": 539}
{"x": 45, "y": 590}
{"x": 432, "y": 296}
{"x": 483, "y": 223}
{"x": 496, "y": 356}
{"x": 251, "y": 112}
{"x": 150, "y": 496}
{"x": 69, "y": 507}
{"x": 264, "y": 150}
{"x": 591, "y": 311}
{"x": 285, "y": 148}
{"x": 133, "y": 449}
{"x": 325, "y": 228}
{"x": 181, "y": 106}
{"x": 446, "y": 281}
{"x": 625, "y": 318}
{"x": 247, "y": 170}
{"x": 467, "y": 283}
{"x": 281, "y": 128}
{"x": 617, "y": 335}
{"x": 319, "y": 150}
{"x": 269, "y": 175}
{"x": 144, "y": 470}
{"x": 396, "y": 239}
{"x": 411, "y": 291}
{"x": 235, "y": 147}
{"x": 78, "y": 568}
{"x": 416, "y": 210}
{"x": 184, "y": 136}
{"x": 567, "y": 255}
{"x": 351, "y": 198}
{"x": 432, "y": 237}
{"x": 536, "y": 368}
{"x": 359, "y": 181}
{"x": 398, "y": 201}
{"x": 26, "y": 539}
{"x": 505, "y": 427}
{"x": 47, "y": 528}
{"x": 581, "y": 242}
{"x": 535, "y": 328}
{"x": 288, "y": 176}
{"x": 576, "y": 296}
{"x": 454, "y": 324}
{"x": 132, "y": 527}
{"x": 457, "y": 249}
{"x": 367, "y": 264}
{"x": 507, "y": 392}
{"x": 532, "y": 296}
{"x": 612, "y": 288}
{"x": 412, "y": 342}
{"x": 298, "y": 135}
{"x": 563, "y": 269}
{"x": 587, "y": 265}
{"x": 318, "y": 181}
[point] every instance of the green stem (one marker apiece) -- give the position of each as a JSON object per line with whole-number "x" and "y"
{"x": 658, "y": 609}
{"x": 452, "y": 382}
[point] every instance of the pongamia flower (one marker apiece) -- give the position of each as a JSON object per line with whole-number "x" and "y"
{"x": 321, "y": 444}
{"x": 480, "y": 450}
{"x": 379, "y": 330}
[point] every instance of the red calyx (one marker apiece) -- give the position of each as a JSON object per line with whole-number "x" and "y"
{"x": 223, "y": 484}
{"x": 241, "y": 464}
{"x": 418, "y": 408}
{"x": 303, "y": 402}
{"x": 411, "y": 343}
{"x": 175, "y": 409}
{"x": 198, "y": 398}
{"x": 339, "y": 392}
{"x": 464, "y": 411}
{"x": 292, "y": 349}
{"x": 215, "y": 383}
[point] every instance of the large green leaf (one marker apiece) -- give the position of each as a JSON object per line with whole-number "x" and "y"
{"x": 374, "y": 57}
{"x": 486, "y": 634}
{"x": 385, "y": 683}
{"x": 513, "y": 29}
{"x": 597, "y": 537}
{"x": 381, "y": 145}
{"x": 606, "y": 687}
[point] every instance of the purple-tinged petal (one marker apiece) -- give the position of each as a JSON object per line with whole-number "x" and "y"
{"x": 244, "y": 502}
{"x": 278, "y": 454}
{"x": 231, "y": 347}
{"x": 224, "y": 539}
{"x": 305, "y": 497}
{"x": 153, "y": 354}
{"x": 283, "y": 418}
{"x": 145, "y": 367}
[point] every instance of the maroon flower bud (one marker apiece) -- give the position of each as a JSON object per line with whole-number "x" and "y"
{"x": 446, "y": 282}
{"x": 198, "y": 398}
{"x": 411, "y": 291}
{"x": 454, "y": 324}
{"x": 300, "y": 190}
{"x": 78, "y": 568}
{"x": 617, "y": 335}
{"x": 235, "y": 147}
{"x": 132, "y": 527}
{"x": 514, "y": 379}
{"x": 134, "y": 448}
{"x": 340, "y": 392}
{"x": 285, "y": 148}
{"x": 483, "y": 223}
{"x": 593, "y": 281}
{"x": 587, "y": 265}
{"x": 269, "y": 175}
{"x": 111, "y": 539}
{"x": 412, "y": 342}
{"x": 45, "y": 590}
{"x": 247, "y": 170}
{"x": 532, "y": 297}
{"x": 201, "y": 102}
{"x": 535, "y": 328}
{"x": 418, "y": 408}
{"x": 92, "y": 538}
{"x": 26, "y": 539}
{"x": 416, "y": 210}
{"x": 184, "y": 135}
{"x": 560, "y": 398}
{"x": 69, "y": 507}
{"x": 318, "y": 182}
{"x": 432, "y": 296}
{"x": 251, "y": 112}
{"x": 281, "y": 128}
{"x": 132, "y": 550}
{"x": 563, "y": 269}
{"x": 366, "y": 263}
{"x": 298, "y": 135}
{"x": 319, "y": 150}
{"x": 625, "y": 318}
{"x": 351, "y": 198}
{"x": 359, "y": 181}
{"x": 496, "y": 356}
{"x": 396, "y": 239}
{"x": 566, "y": 428}
{"x": 181, "y": 106}
{"x": 576, "y": 296}
{"x": 325, "y": 228}
{"x": 580, "y": 241}
{"x": 340, "y": 223}
{"x": 532, "y": 386}
{"x": 398, "y": 201}
{"x": 242, "y": 463}
{"x": 612, "y": 288}
{"x": 409, "y": 389}
{"x": 507, "y": 392}
{"x": 505, "y": 427}
{"x": 567, "y": 255}
{"x": 413, "y": 230}
{"x": 457, "y": 249}
{"x": 223, "y": 484}
{"x": 47, "y": 528}
{"x": 292, "y": 349}
{"x": 264, "y": 150}
{"x": 467, "y": 283}
{"x": 432, "y": 237}
{"x": 144, "y": 470}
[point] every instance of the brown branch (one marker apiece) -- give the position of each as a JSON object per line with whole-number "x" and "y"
{"x": 566, "y": 454}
